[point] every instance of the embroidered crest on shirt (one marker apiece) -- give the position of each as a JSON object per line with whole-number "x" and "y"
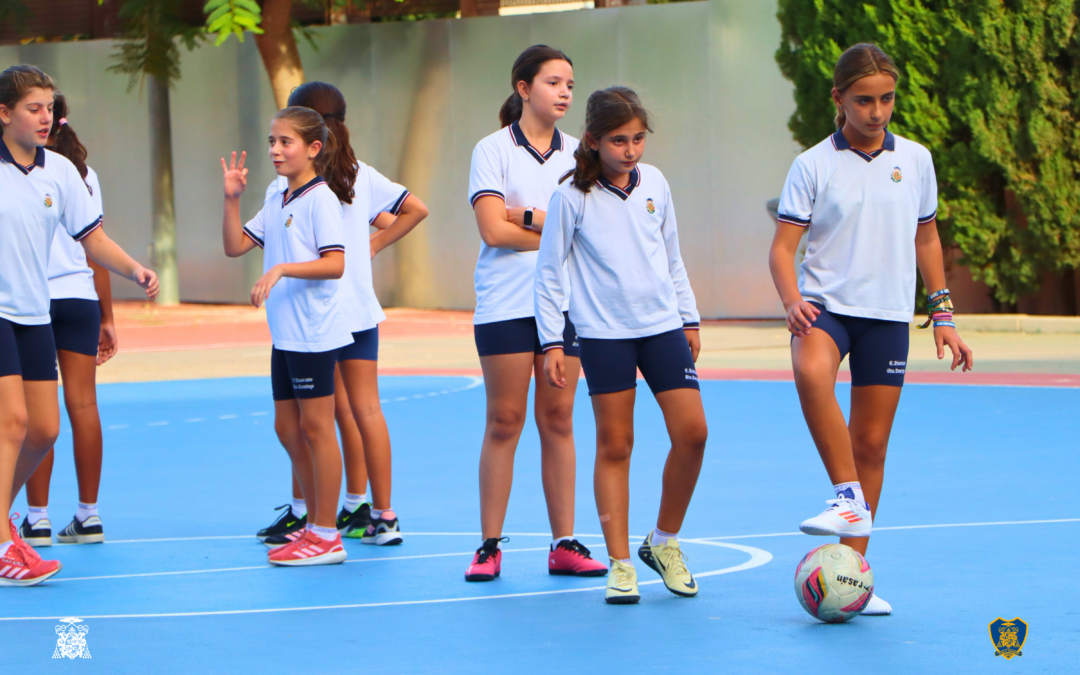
{"x": 48, "y": 201}
{"x": 289, "y": 221}
{"x": 651, "y": 207}
{"x": 896, "y": 176}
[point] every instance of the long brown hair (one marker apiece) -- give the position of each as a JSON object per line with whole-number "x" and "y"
{"x": 606, "y": 110}
{"x": 525, "y": 68}
{"x": 16, "y": 81}
{"x": 857, "y": 62}
{"x": 65, "y": 140}
{"x": 328, "y": 101}
{"x": 310, "y": 127}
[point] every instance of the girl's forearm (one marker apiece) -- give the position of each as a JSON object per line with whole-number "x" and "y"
{"x": 109, "y": 255}
{"x": 412, "y": 212}
{"x": 232, "y": 230}
{"x": 330, "y": 266}
{"x": 103, "y": 286}
{"x": 929, "y": 257}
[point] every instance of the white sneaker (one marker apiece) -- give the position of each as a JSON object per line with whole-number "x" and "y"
{"x": 877, "y": 607}
{"x": 622, "y": 588}
{"x": 843, "y": 518}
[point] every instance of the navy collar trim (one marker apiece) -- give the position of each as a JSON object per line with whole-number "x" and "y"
{"x": 841, "y": 143}
{"x": 287, "y": 198}
{"x": 519, "y": 140}
{"x": 621, "y": 193}
{"x": 39, "y": 158}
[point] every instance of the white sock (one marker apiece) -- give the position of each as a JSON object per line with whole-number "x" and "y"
{"x": 659, "y": 537}
{"x": 353, "y": 502}
{"x": 325, "y": 533}
{"x": 851, "y": 491}
{"x": 627, "y": 561}
{"x": 85, "y": 512}
{"x": 4, "y": 547}
{"x": 37, "y": 515}
{"x": 555, "y": 543}
{"x": 299, "y": 507}
{"x": 388, "y": 513}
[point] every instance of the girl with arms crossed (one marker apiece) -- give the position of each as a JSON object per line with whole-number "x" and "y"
{"x": 514, "y": 172}
{"x": 40, "y": 191}
{"x": 299, "y": 230}
{"x": 869, "y": 199}
{"x": 613, "y": 221}
{"x": 80, "y": 311}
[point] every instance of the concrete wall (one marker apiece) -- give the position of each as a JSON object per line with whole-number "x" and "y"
{"x": 422, "y": 94}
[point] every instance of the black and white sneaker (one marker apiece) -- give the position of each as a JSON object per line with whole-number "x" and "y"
{"x": 354, "y": 526}
{"x": 37, "y": 535}
{"x": 89, "y": 532}
{"x": 383, "y": 532}
{"x": 286, "y": 523}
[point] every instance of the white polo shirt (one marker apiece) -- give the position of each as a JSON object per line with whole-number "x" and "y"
{"x": 506, "y": 166}
{"x": 374, "y": 193}
{"x": 621, "y": 246}
{"x": 34, "y": 201}
{"x": 303, "y": 314}
{"x": 69, "y": 274}
{"x": 863, "y": 211}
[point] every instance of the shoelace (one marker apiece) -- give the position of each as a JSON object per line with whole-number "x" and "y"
{"x": 485, "y": 552}
{"x": 674, "y": 560}
{"x": 283, "y": 516}
{"x": 575, "y": 546}
{"x": 843, "y": 503}
{"x": 621, "y": 575}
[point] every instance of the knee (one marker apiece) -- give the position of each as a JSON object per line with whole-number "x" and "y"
{"x": 287, "y": 433}
{"x": 557, "y": 420}
{"x": 695, "y": 435}
{"x": 812, "y": 371}
{"x": 41, "y": 434}
{"x": 870, "y": 448}
{"x": 13, "y": 427}
{"x": 615, "y": 447}
{"x": 505, "y": 424}
{"x": 315, "y": 431}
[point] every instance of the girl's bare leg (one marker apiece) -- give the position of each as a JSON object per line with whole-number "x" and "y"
{"x": 506, "y": 381}
{"x": 554, "y": 410}
{"x": 684, "y": 416}
{"x": 611, "y": 475}
{"x": 873, "y": 410}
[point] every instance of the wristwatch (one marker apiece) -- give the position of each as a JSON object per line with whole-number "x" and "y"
{"x": 527, "y": 219}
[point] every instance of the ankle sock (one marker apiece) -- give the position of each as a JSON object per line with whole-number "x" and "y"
{"x": 659, "y": 537}
{"x": 851, "y": 491}
{"x": 324, "y": 533}
{"x": 626, "y": 561}
{"x": 299, "y": 507}
{"x": 353, "y": 502}
{"x": 85, "y": 512}
{"x": 4, "y": 547}
{"x": 35, "y": 515}
{"x": 555, "y": 542}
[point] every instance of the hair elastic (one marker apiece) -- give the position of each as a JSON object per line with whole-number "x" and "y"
{"x": 63, "y": 121}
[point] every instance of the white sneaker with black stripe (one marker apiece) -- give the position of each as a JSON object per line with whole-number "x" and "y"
{"x": 90, "y": 532}
{"x": 843, "y": 518}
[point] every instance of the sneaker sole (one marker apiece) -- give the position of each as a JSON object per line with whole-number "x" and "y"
{"x": 481, "y": 577}
{"x": 647, "y": 557}
{"x": 385, "y": 539}
{"x": 24, "y": 583}
{"x": 623, "y": 599}
{"x": 37, "y": 542}
{"x": 353, "y": 534}
{"x": 335, "y": 558}
{"x": 571, "y": 573}
{"x": 82, "y": 539}
{"x": 818, "y": 531}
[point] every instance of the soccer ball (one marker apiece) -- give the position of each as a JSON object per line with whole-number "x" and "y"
{"x": 833, "y": 583}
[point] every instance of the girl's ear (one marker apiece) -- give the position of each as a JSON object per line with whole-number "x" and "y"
{"x": 593, "y": 143}
{"x": 837, "y": 97}
{"x": 523, "y": 89}
{"x": 5, "y": 114}
{"x": 313, "y": 149}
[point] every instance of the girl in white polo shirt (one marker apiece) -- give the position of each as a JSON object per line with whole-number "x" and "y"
{"x": 80, "y": 311}
{"x": 299, "y": 229}
{"x": 40, "y": 191}
{"x": 514, "y": 171}
{"x": 867, "y": 199}
{"x": 613, "y": 223}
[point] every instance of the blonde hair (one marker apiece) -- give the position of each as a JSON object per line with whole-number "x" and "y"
{"x": 857, "y": 62}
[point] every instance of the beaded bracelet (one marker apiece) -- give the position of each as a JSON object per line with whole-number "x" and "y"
{"x": 939, "y": 309}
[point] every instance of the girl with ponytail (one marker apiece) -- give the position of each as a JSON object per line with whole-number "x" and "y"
{"x": 514, "y": 171}
{"x": 81, "y": 316}
{"x": 867, "y": 201}
{"x": 367, "y": 197}
{"x": 614, "y": 226}
{"x": 300, "y": 231}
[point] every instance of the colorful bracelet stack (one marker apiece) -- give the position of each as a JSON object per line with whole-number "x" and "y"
{"x": 939, "y": 307}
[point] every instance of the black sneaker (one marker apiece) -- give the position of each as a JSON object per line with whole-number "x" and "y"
{"x": 286, "y": 523}
{"x": 275, "y": 540}
{"x": 89, "y": 532}
{"x": 37, "y": 535}
{"x": 355, "y": 524}
{"x": 382, "y": 532}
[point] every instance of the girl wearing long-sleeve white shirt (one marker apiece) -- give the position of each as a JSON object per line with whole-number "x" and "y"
{"x": 613, "y": 225}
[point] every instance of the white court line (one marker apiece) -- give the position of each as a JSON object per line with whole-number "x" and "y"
{"x": 758, "y": 557}
{"x": 908, "y": 527}
{"x": 251, "y": 536}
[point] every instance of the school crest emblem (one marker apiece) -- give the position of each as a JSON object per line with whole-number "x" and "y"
{"x": 1008, "y": 637}
{"x": 289, "y": 221}
{"x": 71, "y": 640}
{"x": 650, "y": 206}
{"x": 896, "y": 175}
{"x": 48, "y": 201}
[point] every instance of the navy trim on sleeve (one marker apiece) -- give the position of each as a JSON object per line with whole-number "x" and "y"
{"x": 692, "y": 325}
{"x": 85, "y": 232}
{"x": 553, "y": 345}
{"x": 783, "y": 218}
{"x": 331, "y": 247}
{"x": 396, "y": 208}
{"x": 926, "y": 219}
{"x": 252, "y": 237}
{"x": 486, "y": 193}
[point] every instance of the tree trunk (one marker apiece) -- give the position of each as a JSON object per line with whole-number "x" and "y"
{"x": 277, "y": 47}
{"x": 161, "y": 178}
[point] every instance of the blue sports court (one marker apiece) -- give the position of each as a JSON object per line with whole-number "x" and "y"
{"x": 982, "y": 525}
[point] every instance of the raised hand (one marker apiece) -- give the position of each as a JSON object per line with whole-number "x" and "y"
{"x": 235, "y": 176}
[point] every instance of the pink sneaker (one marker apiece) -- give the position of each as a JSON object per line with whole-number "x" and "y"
{"x": 18, "y": 569}
{"x": 487, "y": 563}
{"x": 31, "y": 555}
{"x": 308, "y": 550}
{"x": 572, "y": 559}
